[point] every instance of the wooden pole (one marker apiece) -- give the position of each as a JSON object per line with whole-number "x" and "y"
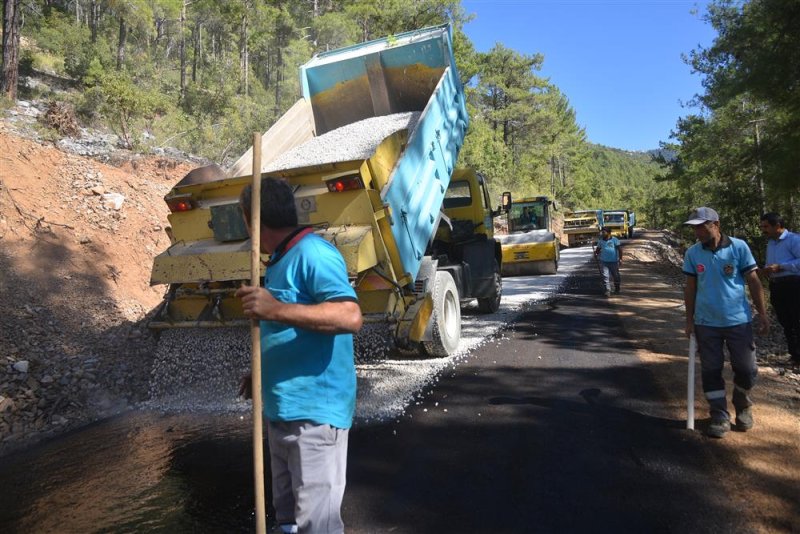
{"x": 255, "y": 336}
{"x": 690, "y": 383}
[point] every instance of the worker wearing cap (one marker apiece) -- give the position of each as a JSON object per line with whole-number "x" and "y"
{"x": 717, "y": 269}
{"x": 610, "y": 255}
{"x": 783, "y": 270}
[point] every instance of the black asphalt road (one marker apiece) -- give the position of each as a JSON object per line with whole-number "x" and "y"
{"x": 555, "y": 426}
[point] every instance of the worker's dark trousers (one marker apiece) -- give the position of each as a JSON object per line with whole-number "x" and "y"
{"x": 742, "y": 350}
{"x": 784, "y": 294}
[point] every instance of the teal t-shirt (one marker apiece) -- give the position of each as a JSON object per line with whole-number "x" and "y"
{"x": 608, "y": 249}
{"x": 720, "y": 300}
{"x": 308, "y": 375}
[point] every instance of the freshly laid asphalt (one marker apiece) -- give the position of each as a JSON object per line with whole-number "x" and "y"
{"x": 554, "y": 426}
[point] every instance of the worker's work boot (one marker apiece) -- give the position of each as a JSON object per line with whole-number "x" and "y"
{"x": 744, "y": 419}
{"x": 718, "y": 427}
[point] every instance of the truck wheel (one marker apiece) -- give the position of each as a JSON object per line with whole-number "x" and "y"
{"x": 491, "y": 303}
{"x": 446, "y": 317}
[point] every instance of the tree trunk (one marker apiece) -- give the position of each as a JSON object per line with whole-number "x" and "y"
{"x": 123, "y": 32}
{"x": 243, "y": 55}
{"x": 11, "y": 35}
{"x": 183, "y": 50}
{"x": 196, "y": 43}
{"x": 278, "y": 79}
{"x": 94, "y": 18}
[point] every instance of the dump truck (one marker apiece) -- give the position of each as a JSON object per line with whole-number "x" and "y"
{"x": 530, "y": 245}
{"x": 370, "y": 150}
{"x": 582, "y": 226}
{"x": 620, "y": 222}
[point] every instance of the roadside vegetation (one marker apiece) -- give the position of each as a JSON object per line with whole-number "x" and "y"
{"x": 202, "y": 75}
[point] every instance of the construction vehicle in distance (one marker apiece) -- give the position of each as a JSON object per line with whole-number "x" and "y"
{"x": 530, "y": 246}
{"x": 620, "y": 222}
{"x": 582, "y": 226}
{"x": 415, "y": 232}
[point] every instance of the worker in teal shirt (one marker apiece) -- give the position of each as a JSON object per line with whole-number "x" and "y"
{"x": 610, "y": 255}
{"x": 308, "y": 312}
{"x": 717, "y": 268}
{"x": 783, "y": 271}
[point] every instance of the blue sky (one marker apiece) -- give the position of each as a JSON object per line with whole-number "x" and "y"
{"x": 618, "y": 61}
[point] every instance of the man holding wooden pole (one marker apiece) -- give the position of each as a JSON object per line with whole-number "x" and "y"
{"x": 308, "y": 312}
{"x": 717, "y": 269}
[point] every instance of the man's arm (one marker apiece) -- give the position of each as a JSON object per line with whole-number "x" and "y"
{"x": 331, "y": 317}
{"x": 757, "y": 294}
{"x": 689, "y": 295}
{"x": 793, "y": 265}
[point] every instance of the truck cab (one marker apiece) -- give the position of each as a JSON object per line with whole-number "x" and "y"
{"x": 582, "y": 226}
{"x": 621, "y": 222}
{"x": 464, "y": 242}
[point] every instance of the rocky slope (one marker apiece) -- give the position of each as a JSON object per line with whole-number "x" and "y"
{"x": 77, "y": 238}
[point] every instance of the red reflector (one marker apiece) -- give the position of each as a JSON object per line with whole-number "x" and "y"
{"x": 180, "y": 203}
{"x": 346, "y": 183}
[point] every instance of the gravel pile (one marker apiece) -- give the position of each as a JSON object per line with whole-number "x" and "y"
{"x": 351, "y": 142}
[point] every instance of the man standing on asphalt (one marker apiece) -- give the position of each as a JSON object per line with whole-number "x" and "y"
{"x": 718, "y": 313}
{"x": 610, "y": 255}
{"x": 783, "y": 270}
{"x": 308, "y": 313}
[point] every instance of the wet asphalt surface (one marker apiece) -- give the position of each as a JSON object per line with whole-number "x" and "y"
{"x": 552, "y": 426}
{"x": 555, "y": 426}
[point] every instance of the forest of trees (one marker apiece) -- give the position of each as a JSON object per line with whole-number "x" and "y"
{"x": 201, "y": 75}
{"x": 741, "y": 152}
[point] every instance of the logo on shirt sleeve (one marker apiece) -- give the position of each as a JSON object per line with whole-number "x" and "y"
{"x": 701, "y": 268}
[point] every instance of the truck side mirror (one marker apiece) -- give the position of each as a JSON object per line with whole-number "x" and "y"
{"x": 506, "y": 202}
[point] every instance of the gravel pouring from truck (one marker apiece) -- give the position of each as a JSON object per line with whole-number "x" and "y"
{"x": 370, "y": 150}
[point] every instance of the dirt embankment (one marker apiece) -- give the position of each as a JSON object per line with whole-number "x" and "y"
{"x": 77, "y": 239}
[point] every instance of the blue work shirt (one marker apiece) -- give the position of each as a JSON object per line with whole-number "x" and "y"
{"x": 785, "y": 251}
{"x": 720, "y": 299}
{"x": 308, "y": 375}
{"x": 608, "y": 249}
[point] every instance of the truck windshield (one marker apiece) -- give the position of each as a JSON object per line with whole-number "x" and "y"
{"x": 614, "y": 218}
{"x": 457, "y": 195}
{"x": 526, "y": 216}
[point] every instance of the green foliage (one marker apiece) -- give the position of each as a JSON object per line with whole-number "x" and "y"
{"x": 618, "y": 179}
{"x": 124, "y": 102}
{"x": 240, "y": 65}
{"x": 741, "y": 155}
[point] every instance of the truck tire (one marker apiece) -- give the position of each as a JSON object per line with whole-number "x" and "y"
{"x": 491, "y": 303}
{"x": 446, "y": 318}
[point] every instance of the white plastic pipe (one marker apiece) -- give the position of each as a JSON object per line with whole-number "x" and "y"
{"x": 690, "y": 383}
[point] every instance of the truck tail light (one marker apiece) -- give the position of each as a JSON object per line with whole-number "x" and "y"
{"x": 345, "y": 183}
{"x": 179, "y": 203}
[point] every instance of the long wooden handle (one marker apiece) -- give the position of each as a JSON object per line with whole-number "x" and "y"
{"x": 255, "y": 336}
{"x": 690, "y": 383}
